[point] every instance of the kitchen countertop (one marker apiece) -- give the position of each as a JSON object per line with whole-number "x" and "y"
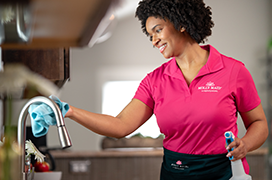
{"x": 115, "y": 152}
{"x": 126, "y": 152}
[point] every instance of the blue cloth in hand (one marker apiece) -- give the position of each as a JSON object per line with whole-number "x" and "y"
{"x": 42, "y": 116}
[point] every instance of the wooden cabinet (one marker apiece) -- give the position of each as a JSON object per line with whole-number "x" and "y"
{"x": 113, "y": 168}
{"x": 52, "y": 64}
{"x": 110, "y": 165}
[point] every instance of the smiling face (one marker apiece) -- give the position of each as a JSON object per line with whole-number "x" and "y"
{"x": 165, "y": 37}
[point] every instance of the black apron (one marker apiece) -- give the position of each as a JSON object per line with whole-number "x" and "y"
{"x": 179, "y": 166}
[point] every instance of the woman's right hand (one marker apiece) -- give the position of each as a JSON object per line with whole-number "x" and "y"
{"x": 69, "y": 112}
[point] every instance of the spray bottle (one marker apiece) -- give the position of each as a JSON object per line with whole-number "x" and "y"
{"x": 238, "y": 172}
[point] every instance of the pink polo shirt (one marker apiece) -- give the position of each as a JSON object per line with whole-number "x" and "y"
{"x": 194, "y": 118}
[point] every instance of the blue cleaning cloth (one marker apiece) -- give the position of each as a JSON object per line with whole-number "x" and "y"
{"x": 42, "y": 116}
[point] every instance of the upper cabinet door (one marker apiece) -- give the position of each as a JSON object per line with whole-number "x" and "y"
{"x": 52, "y": 64}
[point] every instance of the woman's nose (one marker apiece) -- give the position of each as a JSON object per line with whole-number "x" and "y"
{"x": 155, "y": 40}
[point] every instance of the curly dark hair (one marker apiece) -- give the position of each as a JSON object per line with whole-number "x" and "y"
{"x": 193, "y": 15}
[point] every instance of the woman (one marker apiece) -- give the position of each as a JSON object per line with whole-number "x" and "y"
{"x": 195, "y": 96}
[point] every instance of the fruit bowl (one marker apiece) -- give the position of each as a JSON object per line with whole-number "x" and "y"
{"x": 52, "y": 175}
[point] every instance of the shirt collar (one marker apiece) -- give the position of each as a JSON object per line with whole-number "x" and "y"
{"x": 214, "y": 63}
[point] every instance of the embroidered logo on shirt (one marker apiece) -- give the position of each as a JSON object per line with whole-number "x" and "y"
{"x": 178, "y": 165}
{"x": 209, "y": 87}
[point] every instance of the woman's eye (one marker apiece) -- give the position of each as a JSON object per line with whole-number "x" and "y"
{"x": 158, "y": 30}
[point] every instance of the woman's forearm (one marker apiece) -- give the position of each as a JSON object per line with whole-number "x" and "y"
{"x": 99, "y": 123}
{"x": 257, "y": 128}
{"x": 256, "y": 135}
{"x": 132, "y": 117}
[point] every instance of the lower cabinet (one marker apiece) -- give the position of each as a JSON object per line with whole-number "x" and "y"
{"x": 109, "y": 168}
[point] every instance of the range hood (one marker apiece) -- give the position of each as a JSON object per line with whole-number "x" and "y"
{"x": 57, "y": 23}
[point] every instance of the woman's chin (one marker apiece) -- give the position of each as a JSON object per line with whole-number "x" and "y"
{"x": 167, "y": 56}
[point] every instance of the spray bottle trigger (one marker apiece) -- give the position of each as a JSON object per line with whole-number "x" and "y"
{"x": 231, "y": 157}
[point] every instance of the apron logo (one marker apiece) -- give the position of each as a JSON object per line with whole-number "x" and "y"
{"x": 179, "y": 162}
{"x": 178, "y": 165}
{"x": 209, "y": 87}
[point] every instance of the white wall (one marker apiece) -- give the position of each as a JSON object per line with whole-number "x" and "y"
{"x": 241, "y": 31}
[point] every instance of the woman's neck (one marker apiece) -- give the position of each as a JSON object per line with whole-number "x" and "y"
{"x": 193, "y": 56}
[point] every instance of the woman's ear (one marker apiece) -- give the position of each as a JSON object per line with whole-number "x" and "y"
{"x": 182, "y": 29}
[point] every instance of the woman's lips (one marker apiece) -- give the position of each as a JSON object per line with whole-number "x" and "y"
{"x": 162, "y": 48}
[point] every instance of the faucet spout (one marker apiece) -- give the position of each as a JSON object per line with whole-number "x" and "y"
{"x": 21, "y": 136}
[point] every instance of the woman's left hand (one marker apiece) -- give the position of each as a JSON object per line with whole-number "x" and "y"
{"x": 240, "y": 150}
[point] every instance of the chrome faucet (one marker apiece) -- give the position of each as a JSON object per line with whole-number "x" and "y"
{"x": 21, "y": 135}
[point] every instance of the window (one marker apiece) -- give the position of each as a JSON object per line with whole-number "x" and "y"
{"x": 116, "y": 95}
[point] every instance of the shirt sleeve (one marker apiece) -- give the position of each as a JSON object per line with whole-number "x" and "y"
{"x": 246, "y": 95}
{"x": 144, "y": 94}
